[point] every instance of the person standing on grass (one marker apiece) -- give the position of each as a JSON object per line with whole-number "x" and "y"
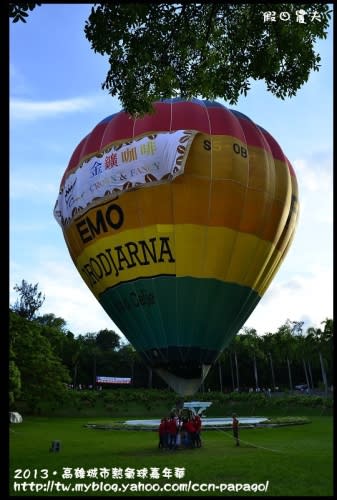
{"x": 172, "y": 433}
{"x": 197, "y": 425}
{"x": 190, "y": 428}
{"x": 235, "y": 428}
{"x": 162, "y": 434}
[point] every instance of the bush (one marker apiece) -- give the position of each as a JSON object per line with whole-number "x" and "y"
{"x": 117, "y": 402}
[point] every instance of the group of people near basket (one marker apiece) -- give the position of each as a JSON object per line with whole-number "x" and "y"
{"x": 182, "y": 430}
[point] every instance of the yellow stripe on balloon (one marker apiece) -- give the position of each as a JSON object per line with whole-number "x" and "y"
{"x": 181, "y": 250}
{"x": 226, "y": 203}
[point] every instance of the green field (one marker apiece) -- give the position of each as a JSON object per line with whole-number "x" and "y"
{"x": 295, "y": 460}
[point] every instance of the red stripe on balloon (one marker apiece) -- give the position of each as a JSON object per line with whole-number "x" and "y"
{"x": 171, "y": 116}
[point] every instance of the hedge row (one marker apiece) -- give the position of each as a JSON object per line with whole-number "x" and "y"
{"x": 151, "y": 397}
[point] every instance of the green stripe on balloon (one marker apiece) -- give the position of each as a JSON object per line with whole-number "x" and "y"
{"x": 168, "y": 311}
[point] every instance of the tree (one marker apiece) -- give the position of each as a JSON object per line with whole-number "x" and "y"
{"x": 324, "y": 345}
{"x": 253, "y": 343}
{"x": 62, "y": 341}
{"x": 129, "y": 356}
{"x": 285, "y": 344}
{"x": 237, "y": 348}
{"x": 269, "y": 347}
{"x": 43, "y": 377}
{"x": 18, "y": 12}
{"x": 89, "y": 351}
{"x": 304, "y": 350}
{"x": 14, "y": 378}
{"x": 310, "y": 349}
{"x": 30, "y": 300}
{"x": 53, "y": 321}
{"x": 300, "y": 347}
{"x": 328, "y": 332}
{"x": 158, "y": 50}
{"x": 107, "y": 339}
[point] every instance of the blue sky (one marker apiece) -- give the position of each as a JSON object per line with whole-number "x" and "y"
{"x": 56, "y": 99}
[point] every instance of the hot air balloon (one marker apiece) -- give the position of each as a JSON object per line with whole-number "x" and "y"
{"x": 177, "y": 222}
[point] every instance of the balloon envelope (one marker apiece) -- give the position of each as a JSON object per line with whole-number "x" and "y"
{"x": 177, "y": 222}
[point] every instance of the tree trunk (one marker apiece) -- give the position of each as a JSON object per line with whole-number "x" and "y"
{"x": 149, "y": 380}
{"x": 94, "y": 373}
{"x": 255, "y": 372}
{"x": 306, "y": 373}
{"x": 289, "y": 373}
{"x": 132, "y": 366}
{"x": 325, "y": 382}
{"x": 75, "y": 376}
{"x": 220, "y": 375}
{"x": 272, "y": 371}
{"x": 310, "y": 375}
{"x": 237, "y": 371}
{"x": 232, "y": 371}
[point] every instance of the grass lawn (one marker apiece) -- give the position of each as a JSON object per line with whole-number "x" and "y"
{"x": 296, "y": 460}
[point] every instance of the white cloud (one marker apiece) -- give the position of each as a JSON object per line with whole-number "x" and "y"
{"x": 303, "y": 287}
{"x": 314, "y": 174}
{"x": 28, "y": 109}
{"x": 67, "y": 296}
{"x": 37, "y": 226}
{"x": 24, "y": 109}
{"x": 18, "y": 82}
{"x": 305, "y": 297}
{"x": 315, "y": 181}
{"x": 32, "y": 188}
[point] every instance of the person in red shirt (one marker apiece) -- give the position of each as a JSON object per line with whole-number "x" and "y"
{"x": 197, "y": 425}
{"x": 184, "y": 433}
{"x": 235, "y": 428}
{"x": 162, "y": 430}
{"x": 172, "y": 430}
{"x": 190, "y": 428}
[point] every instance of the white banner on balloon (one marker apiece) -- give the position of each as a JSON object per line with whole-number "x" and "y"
{"x": 133, "y": 164}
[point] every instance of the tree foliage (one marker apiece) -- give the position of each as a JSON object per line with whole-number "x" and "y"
{"x": 14, "y": 378}
{"x": 212, "y": 50}
{"x": 30, "y": 300}
{"x": 18, "y": 11}
{"x": 52, "y": 321}
{"x": 107, "y": 340}
{"x": 43, "y": 376}
{"x": 45, "y": 357}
